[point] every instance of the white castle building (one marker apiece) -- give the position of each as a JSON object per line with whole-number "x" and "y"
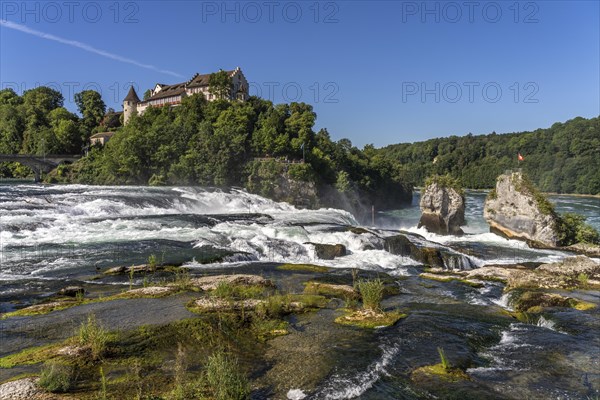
{"x": 172, "y": 95}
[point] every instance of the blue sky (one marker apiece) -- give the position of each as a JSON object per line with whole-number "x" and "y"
{"x": 376, "y": 72}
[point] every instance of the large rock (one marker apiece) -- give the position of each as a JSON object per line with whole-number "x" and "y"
{"x": 517, "y": 211}
{"x": 435, "y": 257}
{"x": 443, "y": 210}
{"x": 402, "y": 246}
{"x": 572, "y": 272}
{"x": 26, "y": 389}
{"x": 71, "y": 291}
{"x": 328, "y": 251}
{"x": 212, "y": 282}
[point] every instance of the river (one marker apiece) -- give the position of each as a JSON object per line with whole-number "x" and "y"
{"x": 53, "y": 235}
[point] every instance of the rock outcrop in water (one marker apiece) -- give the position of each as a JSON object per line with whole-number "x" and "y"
{"x": 516, "y": 210}
{"x": 431, "y": 256}
{"x": 329, "y": 251}
{"x": 572, "y": 272}
{"x": 443, "y": 209}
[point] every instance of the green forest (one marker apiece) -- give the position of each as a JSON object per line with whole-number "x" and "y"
{"x": 564, "y": 158}
{"x": 253, "y": 144}
{"x": 220, "y": 143}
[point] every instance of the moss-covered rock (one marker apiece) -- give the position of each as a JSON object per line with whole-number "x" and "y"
{"x": 212, "y": 282}
{"x": 370, "y": 318}
{"x": 303, "y": 268}
{"x": 32, "y": 355}
{"x": 535, "y": 302}
{"x": 331, "y": 290}
{"x": 450, "y": 278}
{"x": 438, "y": 371}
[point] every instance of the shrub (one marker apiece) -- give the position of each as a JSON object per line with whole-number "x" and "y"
{"x": 224, "y": 290}
{"x": 301, "y": 172}
{"x": 228, "y": 291}
{"x": 152, "y": 262}
{"x": 181, "y": 390}
{"x": 183, "y": 280}
{"x": 583, "y": 279}
{"x": 93, "y": 335}
{"x": 587, "y": 234}
{"x": 371, "y": 292}
{"x": 225, "y": 379}
{"x": 445, "y": 181}
{"x": 573, "y": 229}
{"x": 273, "y": 307}
{"x": 56, "y": 377}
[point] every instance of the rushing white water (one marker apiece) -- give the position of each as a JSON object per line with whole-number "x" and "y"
{"x": 44, "y": 229}
{"x": 546, "y": 323}
{"x": 350, "y": 387}
{"x": 514, "y": 339}
{"x": 295, "y": 394}
{"x": 504, "y": 302}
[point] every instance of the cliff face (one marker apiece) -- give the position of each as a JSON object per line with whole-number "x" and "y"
{"x": 274, "y": 181}
{"x": 443, "y": 210}
{"x": 294, "y": 184}
{"x": 515, "y": 210}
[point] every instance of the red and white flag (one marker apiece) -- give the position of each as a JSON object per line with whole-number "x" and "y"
{"x": 520, "y": 157}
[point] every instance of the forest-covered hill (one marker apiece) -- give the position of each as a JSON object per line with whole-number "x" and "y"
{"x": 564, "y": 158}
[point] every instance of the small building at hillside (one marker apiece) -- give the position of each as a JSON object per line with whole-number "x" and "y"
{"x": 172, "y": 95}
{"x": 101, "y": 138}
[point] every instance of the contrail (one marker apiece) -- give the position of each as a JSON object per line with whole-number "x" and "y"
{"x": 83, "y": 46}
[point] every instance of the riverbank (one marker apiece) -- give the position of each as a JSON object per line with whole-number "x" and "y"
{"x": 159, "y": 345}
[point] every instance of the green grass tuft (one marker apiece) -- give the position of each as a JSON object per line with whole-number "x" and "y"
{"x": 370, "y": 321}
{"x": 371, "y": 292}
{"x": 225, "y": 378}
{"x": 57, "y": 377}
{"x": 91, "y": 334}
{"x": 444, "y": 361}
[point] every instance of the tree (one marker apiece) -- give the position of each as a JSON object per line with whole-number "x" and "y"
{"x": 92, "y": 109}
{"x": 220, "y": 84}
{"x": 11, "y": 129}
{"x": 147, "y": 94}
{"x": 37, "y": 105}
{"x": 342, "y": 183}
{"x": 8, "y": 96}
{"x": 111, "y": 121}
{"x": 66, "y": 129}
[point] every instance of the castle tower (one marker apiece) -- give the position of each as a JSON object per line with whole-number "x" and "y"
{"x": 130, "y": 105}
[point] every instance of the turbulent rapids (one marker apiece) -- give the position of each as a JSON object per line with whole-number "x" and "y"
{"x": 51, "y": 236}
{"x": 49, "y": 231}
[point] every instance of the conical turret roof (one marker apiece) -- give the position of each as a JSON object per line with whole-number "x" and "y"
{"x": 132, "y": 96}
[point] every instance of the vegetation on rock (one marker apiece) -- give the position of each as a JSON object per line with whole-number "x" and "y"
{"x": 57, "y": 377}
{"x": 303, "y": 268}
{"x": 443, "y": 370}
{"x": 445, "y": 181}
{"x": 371, "y": 292}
